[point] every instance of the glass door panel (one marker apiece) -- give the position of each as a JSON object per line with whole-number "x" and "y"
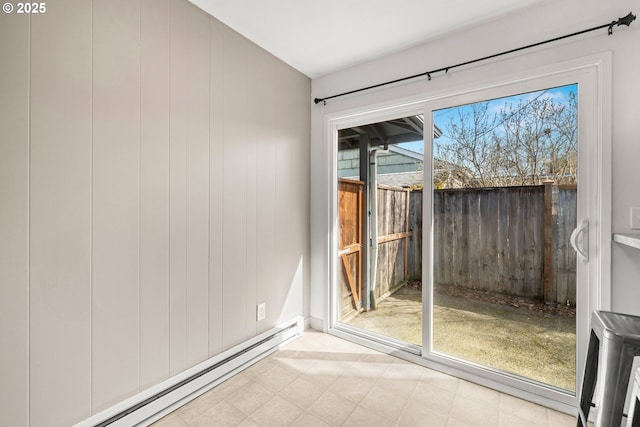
{"x": 380, "y": 176}
{"x": 504, "y": 205}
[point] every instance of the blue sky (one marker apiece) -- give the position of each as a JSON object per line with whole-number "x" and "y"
{"x": 442, "y": 117}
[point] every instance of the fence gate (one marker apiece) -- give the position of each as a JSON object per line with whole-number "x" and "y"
{"x": 350, "y": 244}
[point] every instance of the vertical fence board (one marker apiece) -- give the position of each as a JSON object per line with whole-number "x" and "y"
{"x": 414, "y": 252}
{"x": 564, "y": 209}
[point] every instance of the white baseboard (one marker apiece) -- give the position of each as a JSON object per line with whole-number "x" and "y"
{"x": 317, "y": 324}
{"x": 152, "y": 404}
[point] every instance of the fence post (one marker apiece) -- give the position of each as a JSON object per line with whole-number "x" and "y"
{"x": 406, "y": 230}
{"x": 548, "y": 241}
{"x": 364, "y": 177}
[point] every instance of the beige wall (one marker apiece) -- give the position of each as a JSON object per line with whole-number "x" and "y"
{"x": 154, "y": 174}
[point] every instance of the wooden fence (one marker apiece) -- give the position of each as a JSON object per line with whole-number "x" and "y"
{"x": 509, "y": 239}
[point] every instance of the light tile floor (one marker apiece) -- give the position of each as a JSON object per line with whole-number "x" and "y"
{"x": 322, "y": 380}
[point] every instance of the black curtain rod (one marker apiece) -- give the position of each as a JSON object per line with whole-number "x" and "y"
{"x": 627, "y": 20}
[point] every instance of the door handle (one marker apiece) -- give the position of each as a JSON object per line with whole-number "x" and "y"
{"x": 580, "y": 240}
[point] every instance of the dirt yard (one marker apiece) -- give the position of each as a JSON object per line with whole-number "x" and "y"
{"x": 516, "y": 335}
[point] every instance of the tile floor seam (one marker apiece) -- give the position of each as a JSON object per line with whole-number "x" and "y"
{"x": 178, "y": 415}
{"x": 350, "y": 414}
{"x": 548, "y": 415}
{"x": 451, "y": 406}
{"x": 449, "y": 412}
{"x": 241, "y": 410}
{"x": 317, "y": 400}
{"x": 275, "y": 396}
{"x": 406, "y": 405}
{"x": 302, "y": 409}
{"x": 407, "y": 402}
{"x": 307, "y": 410}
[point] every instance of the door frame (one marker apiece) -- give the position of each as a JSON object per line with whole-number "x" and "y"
{"x": 594, "y": 97}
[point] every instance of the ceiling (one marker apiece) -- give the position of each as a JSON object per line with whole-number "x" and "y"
{"x": 320, "y": 37}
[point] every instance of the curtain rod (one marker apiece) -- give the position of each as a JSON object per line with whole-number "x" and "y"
{"x": 627, "y": 20}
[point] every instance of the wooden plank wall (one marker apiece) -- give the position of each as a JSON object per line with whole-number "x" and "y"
{"x": 148, "y": 202}
{"x": 15, "y": 154}
{"x": 60, "y": 219}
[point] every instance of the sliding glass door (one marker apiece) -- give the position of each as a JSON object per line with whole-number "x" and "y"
{"x": 466, "y": 229}
{"x": 513, "y": 176}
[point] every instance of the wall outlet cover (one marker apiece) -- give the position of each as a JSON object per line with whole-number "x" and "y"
{"x": 261, "y": 311}
{"x": 635, "y": 218}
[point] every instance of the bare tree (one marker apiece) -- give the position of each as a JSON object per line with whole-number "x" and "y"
{"x": 521, "y": 144}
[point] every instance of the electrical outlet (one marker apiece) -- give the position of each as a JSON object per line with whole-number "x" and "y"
{"x": 635, "y": 218}
{"x": 261, "y": 311}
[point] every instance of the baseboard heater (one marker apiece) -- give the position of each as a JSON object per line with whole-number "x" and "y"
{"x": 159, "y": 400}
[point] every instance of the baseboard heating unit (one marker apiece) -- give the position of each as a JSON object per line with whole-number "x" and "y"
{"x": 152, "y": 404}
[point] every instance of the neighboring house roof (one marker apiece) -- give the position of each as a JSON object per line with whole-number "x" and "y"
{"x": 407, "y": 153}
{"x": 402, "y": 179}
{"x": 403, "y": 168}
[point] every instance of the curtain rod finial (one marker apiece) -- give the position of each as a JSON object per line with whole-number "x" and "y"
{"x": 627, "y": 20}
